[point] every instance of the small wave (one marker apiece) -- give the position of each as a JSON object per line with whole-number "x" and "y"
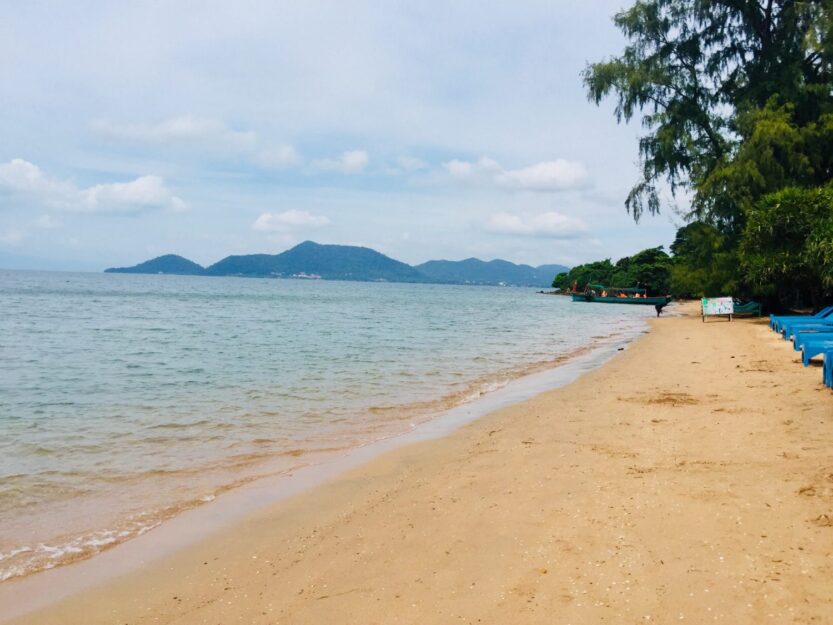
{"x": 27, "y": 559}
{"x": 175, "y": 425}
{"x": 473, "y": 389}
{"x": 486, "y": 388}
{"x": 27, "y": 491}
{"x": 14, "y": 552}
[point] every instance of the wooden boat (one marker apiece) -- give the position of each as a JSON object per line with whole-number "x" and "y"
{"x": 600, "y": 294}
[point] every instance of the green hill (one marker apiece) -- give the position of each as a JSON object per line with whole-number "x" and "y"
{"x": 169, "y": 264}
{"x": 475, "y": 271}
{"x": 329, "y": 262}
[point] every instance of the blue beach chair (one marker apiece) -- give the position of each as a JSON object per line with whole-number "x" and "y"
{"x": 814, "y": 347}
{"x": 776, "y": 321}
{"x": 804, "y": 333}
{"x": 789, "y": 328}
{"x": 827, "y": 371}
{"x": 782, "y": 325}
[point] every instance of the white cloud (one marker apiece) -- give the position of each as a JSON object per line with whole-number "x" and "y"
{"x": 143, "y": 193}
{"x": 200, "y": 131}
{"x": 411, "y": 163}
{"x": 557, "y": 175}
{"x": 29, "y": 182}
{"x": 278, "y": 158}
{"x": 459, "y": 169}
{"x": 289, "y": 220}
{"x": 22, "y": 176}
{"x": 546, "y": 176}
{"x": 350, "y": 162}
{"x": 354, "y": 161}
{"x": 550, "y": 224}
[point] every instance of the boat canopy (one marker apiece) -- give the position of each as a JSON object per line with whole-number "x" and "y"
{"x": 618, "y": 289}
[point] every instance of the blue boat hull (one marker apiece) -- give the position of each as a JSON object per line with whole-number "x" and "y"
{"x": 598, "y": 299}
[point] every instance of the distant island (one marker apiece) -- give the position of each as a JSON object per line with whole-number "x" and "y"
{"x": 169, "y": 263}
{"x": 310, "y": 260}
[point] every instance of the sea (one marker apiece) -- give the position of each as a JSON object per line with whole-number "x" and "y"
{"x": 127, "y": 399}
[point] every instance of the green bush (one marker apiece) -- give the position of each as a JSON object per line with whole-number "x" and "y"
{"x": 787, "y": 244}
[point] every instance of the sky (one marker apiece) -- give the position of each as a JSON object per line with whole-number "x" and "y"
{"x": 424, "y": 130}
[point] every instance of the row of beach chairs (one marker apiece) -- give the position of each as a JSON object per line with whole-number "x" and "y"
{"x": 811, "y": 335}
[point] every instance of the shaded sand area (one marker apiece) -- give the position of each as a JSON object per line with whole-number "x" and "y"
{"x": 689, "y": 479}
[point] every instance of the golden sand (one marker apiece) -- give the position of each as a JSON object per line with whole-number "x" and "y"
{"x": 688, "y": 480}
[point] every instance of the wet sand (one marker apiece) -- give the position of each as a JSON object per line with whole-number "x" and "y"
{"x": 689, "y": 479}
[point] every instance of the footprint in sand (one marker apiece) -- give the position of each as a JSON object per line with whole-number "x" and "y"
{"x": 673, "y": 399}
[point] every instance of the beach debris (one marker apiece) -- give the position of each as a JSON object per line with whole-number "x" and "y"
{"x": 823, "y": 520}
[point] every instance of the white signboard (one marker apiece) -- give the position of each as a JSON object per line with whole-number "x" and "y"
{"x": 718, "y": 306}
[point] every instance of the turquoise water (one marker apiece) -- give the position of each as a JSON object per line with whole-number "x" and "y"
{"x": 125, "y": 399}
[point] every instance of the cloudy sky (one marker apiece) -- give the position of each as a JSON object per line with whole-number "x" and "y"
{"x": 421, "y": 129}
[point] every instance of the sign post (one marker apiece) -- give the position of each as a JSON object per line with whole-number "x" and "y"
{"x": 717, "y": 306}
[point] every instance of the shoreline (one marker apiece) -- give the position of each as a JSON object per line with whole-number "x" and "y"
{"x": 687, "y": 479}
{"x": 22, "y": 595}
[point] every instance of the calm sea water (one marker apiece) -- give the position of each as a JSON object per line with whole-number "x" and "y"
{"x": 127, "y": 399}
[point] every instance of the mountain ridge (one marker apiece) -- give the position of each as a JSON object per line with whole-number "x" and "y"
{"x": 346, "y": 262}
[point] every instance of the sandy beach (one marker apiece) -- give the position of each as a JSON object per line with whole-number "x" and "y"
{"x": 689, "y": 479}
